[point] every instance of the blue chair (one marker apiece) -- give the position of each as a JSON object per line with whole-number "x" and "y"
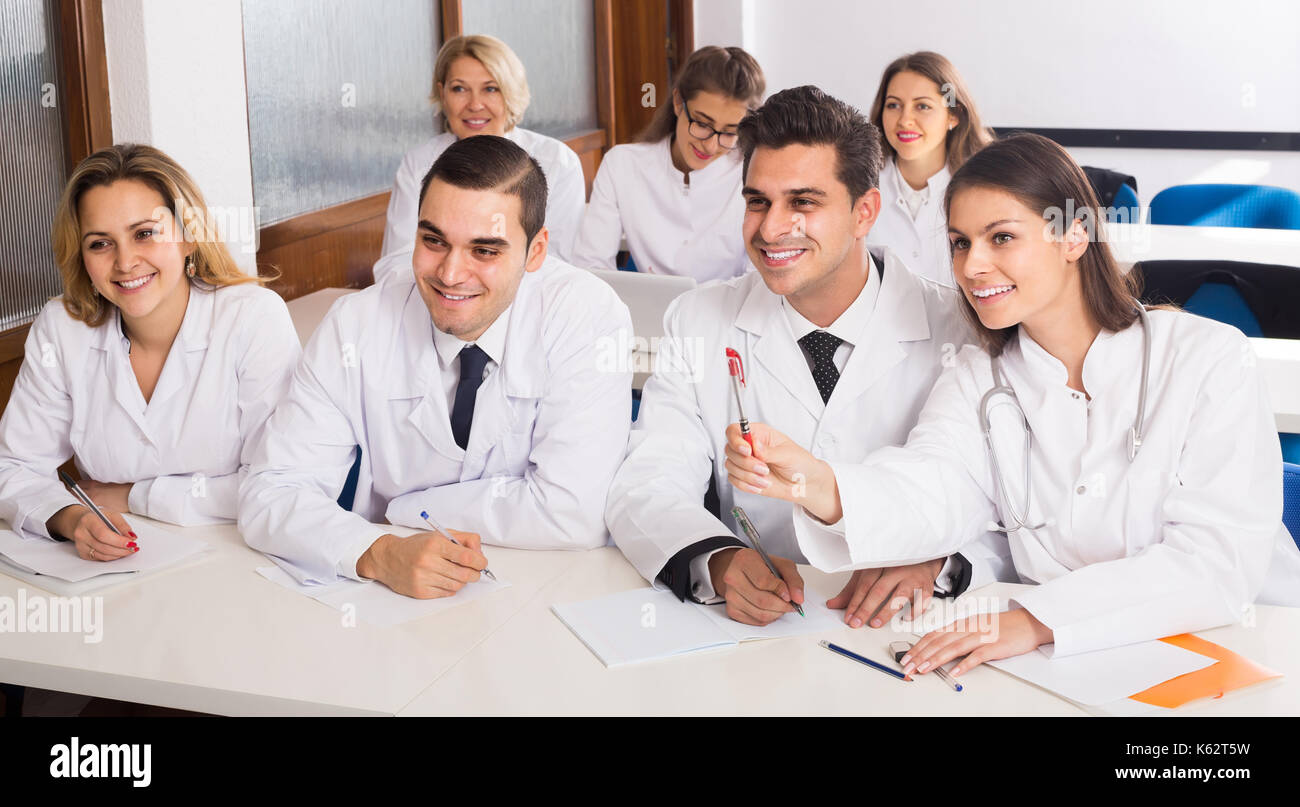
{"x": 1222, "y": 302}
{"x": 1259, "y": 299}
{"x": 636, "y": 404}
{"x": 1290, "y": 447}
{"x": 629, "y": 265}
{"x": 1125, "y": 207}
{"x": 349, "y": 491}
{"x": 1260, "y": 206}
{"x": 1291, "y": 499}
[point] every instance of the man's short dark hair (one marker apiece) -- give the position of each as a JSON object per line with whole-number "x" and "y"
{"x": 491, "y": 163}
{"x": 807, "y": 116}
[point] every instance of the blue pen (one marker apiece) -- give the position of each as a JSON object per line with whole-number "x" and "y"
{"x": 834, "y": 648}
{"x": 424, "y": 514}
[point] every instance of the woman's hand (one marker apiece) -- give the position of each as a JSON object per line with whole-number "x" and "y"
{"x": 106, "y": 494}
{"x": 92, "y": 537}
{"x": 780, "y": 468}
{"x": 981, "y": 638}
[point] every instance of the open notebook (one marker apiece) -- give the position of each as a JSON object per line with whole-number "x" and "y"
{"x": 647, "y": 624}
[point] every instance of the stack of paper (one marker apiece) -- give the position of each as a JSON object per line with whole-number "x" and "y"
{"x": 55, "y": 564}
{"x": 646, "y": 624}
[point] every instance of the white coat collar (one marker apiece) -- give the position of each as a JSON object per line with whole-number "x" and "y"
{"x": 717, "y": 167}
{"x": 899, "y": 316}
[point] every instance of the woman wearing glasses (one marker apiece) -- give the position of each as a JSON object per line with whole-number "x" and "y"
{"x": 675, "y": 194}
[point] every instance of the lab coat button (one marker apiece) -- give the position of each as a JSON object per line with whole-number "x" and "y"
{"x": 1082, "y": 489}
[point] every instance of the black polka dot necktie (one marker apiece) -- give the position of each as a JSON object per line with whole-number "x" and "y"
{"x": 820, "y": 346}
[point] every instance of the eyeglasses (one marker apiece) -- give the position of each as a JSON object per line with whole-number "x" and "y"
{"x": 702, "y": 131}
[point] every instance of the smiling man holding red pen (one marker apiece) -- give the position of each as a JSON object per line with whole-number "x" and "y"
{"x": 838, "y": 345}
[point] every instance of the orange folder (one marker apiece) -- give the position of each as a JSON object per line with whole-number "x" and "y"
{"x": 1230, "y": 672}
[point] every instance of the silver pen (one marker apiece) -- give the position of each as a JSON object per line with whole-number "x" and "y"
{"x": 424, "y": 514}
{"x": 85, "y": 500}
{"x": 752, "y": 533}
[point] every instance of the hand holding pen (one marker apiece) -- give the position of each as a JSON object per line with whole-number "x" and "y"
{"x": 99, "y": 534}
{"x": 424, "y": 514}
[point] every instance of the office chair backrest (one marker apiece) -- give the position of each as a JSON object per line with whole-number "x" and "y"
{"x": 1260, "y": 206}
{"x": 1291, "y": 499}
{"x": 1260, "y": 299}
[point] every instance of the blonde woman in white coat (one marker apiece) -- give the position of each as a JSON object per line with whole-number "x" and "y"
{"x": 675, "y": 194}
{"x": 929, "y": 127}
{"x": 481, "y": 88}
{"x": 1146, "y": 515}
{"x": 155, "y": 370}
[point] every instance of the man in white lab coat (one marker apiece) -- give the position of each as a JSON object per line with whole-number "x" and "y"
{"x": 474, "y": 387}
{"x": 840, "y": 346}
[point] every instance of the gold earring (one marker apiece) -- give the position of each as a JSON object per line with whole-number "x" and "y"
{"x": 189, "y": 266}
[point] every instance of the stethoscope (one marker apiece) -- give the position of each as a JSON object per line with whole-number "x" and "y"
{"x": 1017, "y": 520}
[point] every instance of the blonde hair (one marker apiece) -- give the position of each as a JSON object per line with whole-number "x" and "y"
{"x": 498, "y": 59}
{"x": 213, "y": 265}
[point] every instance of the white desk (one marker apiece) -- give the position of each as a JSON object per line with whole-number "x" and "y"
{"x": 308, "y": 310}
{"x": 1165, "y": 242}
{"x": 534, "y": 665}
{"x": 213, "y": 636}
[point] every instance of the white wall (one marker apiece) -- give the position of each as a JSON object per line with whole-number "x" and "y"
{"x": 1192, "y": 65}
{"x": 176, "y": 81}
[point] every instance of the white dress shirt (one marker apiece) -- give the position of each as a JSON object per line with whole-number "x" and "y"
{"x": 566, "y": 190}
{"x": 1184, "y": 538}
{"x": 672, "y": 227}
{"x": 182, "y": 451}
{"x": 899, "y": 346}
{"x": 492, "y": 342}
{"x": 550, "y": 427}
{"x": 912, "y": 223}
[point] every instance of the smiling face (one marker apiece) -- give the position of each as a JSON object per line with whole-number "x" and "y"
{"x": 1008, "y": 264}
{"x": 132, "y": 249}
{"x": 470, "y": 256}
{"x": 914, "y": 117}
{"x": 800, "y": 224}
{"x": 471, "y": 100}
{"x": 718, "y": 112}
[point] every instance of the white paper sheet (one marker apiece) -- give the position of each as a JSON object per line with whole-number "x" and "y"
{"x": 377, "y": 604}
{"x": 58, "y": 559}
{"x": 648, "y": 624}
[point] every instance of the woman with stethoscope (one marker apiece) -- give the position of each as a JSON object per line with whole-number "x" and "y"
{"x": 1130, "y": 456}
{"x": 480, "y": 87}
{"x": 928, "y": 128}
{"x": 675, "y": 194}
{"x": 155, "y": 369}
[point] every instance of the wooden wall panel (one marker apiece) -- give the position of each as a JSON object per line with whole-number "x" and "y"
{"x": 335, "y": 248}
{"x": 640, "y": 34}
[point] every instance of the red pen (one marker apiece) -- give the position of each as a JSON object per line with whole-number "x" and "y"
{"x": 738, "y": 380}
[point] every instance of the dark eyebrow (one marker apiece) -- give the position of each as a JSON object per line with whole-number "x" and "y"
{"x": 748, "y": 191}
{"x": 987, "y": 227}
{"x": 485, "y": 241}
{"x": 806, "y": 192}
{"x": 129, "y": 227}
{"x": 917, "y": 98}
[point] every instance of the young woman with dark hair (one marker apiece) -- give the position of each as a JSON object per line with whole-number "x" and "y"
{"x": 675, "y": 194}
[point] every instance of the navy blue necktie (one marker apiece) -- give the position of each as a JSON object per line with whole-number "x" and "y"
{"x": 821, "y": 346}
{"x": 472, "y": 363}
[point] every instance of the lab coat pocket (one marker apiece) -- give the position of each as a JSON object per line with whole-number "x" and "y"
{"x": 1144, "y": 517}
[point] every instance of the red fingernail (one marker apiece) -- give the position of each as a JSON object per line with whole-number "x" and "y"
{"x": 133, "y": 535}
{"x": 132, "y": 545}
{"x": 135, "y": 549}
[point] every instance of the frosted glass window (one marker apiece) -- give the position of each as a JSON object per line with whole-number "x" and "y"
{"x": 31, "y": 161}
{"x": 338, "y": 91}
{"x": 556, "y": 41}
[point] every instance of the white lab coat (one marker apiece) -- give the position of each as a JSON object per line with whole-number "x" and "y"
{"x": 655, "y": 504}
{"x": 672, "y": 228}
{"x": 76, "y": 395}
{"x": 550, "y": 426}
{"x": 1182, "y": 539}
{"x": 566, "y": 191}
{"x": 922, "y": 242}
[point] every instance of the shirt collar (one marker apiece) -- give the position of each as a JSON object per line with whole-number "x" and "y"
{"x": 492, "y": 342}
{"x": 852, "y": 324}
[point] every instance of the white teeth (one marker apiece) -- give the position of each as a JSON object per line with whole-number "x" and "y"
{"x": 780, "y": 256}
{"x": 992, "y": 290}
{"x": 134, "y": 284}
{"x": 453, "y": 297}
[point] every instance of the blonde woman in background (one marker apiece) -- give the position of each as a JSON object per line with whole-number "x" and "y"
{"x": 155, "y": 369}
{"x": 480, "y": 87}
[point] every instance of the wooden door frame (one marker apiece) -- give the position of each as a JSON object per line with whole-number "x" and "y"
{"x": 87, "y": 116}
